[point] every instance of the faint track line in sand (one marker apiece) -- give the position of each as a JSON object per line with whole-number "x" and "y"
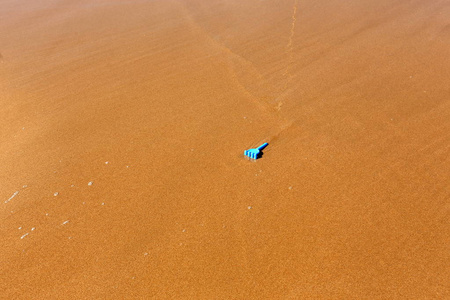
{"x": 289, "y": 51}
{"x": 294, "y": 19}
{"x": 287, "y": 73}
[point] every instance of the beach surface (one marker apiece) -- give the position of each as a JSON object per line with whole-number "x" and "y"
{"x": 122, "y": 131}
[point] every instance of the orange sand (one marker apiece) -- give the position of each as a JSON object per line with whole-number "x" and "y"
{"x": 350, "y": 201}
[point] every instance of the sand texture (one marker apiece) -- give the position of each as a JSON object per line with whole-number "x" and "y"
{"x": 122, "y": 131}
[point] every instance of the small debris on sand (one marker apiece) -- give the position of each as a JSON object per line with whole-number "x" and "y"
{"x": 20, "y": 227}
{"x": 32, "y": 229}
{"x": 106, "y": 162}
{"x": 24, "y": 235}
{"x": 290, "y": 187}
{"x": 10, "y": 198}
{"x": 90, "y": 183}
{"x": 65, "y": 222}
{"x": 25, "y": 186}
{"x": 249, "y": 207}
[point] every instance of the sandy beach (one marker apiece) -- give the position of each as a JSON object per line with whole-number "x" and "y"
{"x": 122, "y": 131}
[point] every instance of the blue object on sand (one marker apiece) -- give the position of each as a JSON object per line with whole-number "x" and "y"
{"x": 255, "y": 153}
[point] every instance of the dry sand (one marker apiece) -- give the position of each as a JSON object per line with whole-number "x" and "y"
{"x": 122, "y": 128}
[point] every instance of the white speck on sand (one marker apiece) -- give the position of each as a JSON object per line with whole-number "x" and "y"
{"x": 32, "y": 229}
{"x": 128, "y": 167}
{"x": 46, "y": 214}
{"x": 106, "y": 162}
{"x": 146, "y": 253}
{"x": 249, "y": 207}
{"x": 20, "y": 227}
{"x": 24, "y": 235}
{"x": 65, "y": 222}
{"x": 290, "y": 187}
{"x": 184, "y": 230}
{"x": 90, "y": 183}
{"x": 103, "y": 203}
{"x": 10, "y": 198}
{"x": 25, "y": 186}
{"x": 56, "y": 194}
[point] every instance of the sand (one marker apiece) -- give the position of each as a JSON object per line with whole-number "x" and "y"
{"x": 122, "y": 131}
